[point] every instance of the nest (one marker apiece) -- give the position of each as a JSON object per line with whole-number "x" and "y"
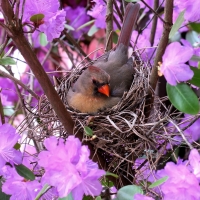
{"x": 120, "y": 134}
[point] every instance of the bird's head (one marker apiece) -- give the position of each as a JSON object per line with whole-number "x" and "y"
{"x": 94, "y": 81}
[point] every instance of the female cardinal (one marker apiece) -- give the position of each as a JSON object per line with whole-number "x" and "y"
{"x": 103, "y": 84}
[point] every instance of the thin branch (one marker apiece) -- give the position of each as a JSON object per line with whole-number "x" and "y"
{"x": 182, "y": 134}
{"x": 4, "y": 74}
{"x": 4, "y": 45}
{"x": 31, "y": 59}
{"x": 73, "y": 41}
{"x": 154, "y": 23}
{"x": 1, "y": 111}
{"x": 109, "y": 24}
{"x": 168, "y": 17}
{"x": 154, "y": 11}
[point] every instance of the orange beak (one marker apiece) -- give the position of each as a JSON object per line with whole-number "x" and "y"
{"x": 104, "y": 90}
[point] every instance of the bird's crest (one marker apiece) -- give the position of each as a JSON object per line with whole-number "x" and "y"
{"x": 94, "y": 69}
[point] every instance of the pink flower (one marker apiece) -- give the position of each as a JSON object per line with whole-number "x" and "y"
{"x": 69, "y": 169}
{"x": 8, "y": 138}
{"x": 173, "y": 67}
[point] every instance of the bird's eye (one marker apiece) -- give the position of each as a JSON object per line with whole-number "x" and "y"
{"x": 94, "y": 81}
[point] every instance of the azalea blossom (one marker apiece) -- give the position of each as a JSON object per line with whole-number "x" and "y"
{"x": 18, "y": 187}
{"x": 8, "y": 139}
{"x": 173, "y": 66}
{"x": 194, "y": 159}
{"x": 69, "y": 169}
{"x": 52, "y": 23}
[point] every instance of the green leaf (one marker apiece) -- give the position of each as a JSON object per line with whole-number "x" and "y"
{"x": 130, "y": 1}
{"x": 8, "y": 111}
{"x": 192, "y": 37}
{"x": 127, "y": 192}
{"x": 115, "y": 37}
{"x": 177, "y": 24}
{"x": 111, "y": 174}
{"x": 7, "y": 61}
{"x": 195, "y": 27}
{"x": 195, "y": 58}
{"x": 159, "y": 182}
{"x": 42, "y": 191}
{"x": 8, "y": 52}
{"x": 92, "y": 30}
{"x": 36, "y": 18}
{"x": 17, "y": 146}
{"x": 25, "y": 172}
{"x": 88, "y": 131}
{"x": 69, "y": 197}
{"x": 98, "y": 198}
{"x": 106, "y": 182}
{"x": 43, "y": 39}
{"x": 183, "y": 98}
{"x": 86, "y": 24}
{"x": 67, "y": 26}
{"x": 196, "y": 78}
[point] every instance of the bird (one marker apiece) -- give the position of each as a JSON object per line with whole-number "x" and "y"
{"x": 103, "y": 83}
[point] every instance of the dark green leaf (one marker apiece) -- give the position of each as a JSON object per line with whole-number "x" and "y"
{"x": 17, "y": 146}
{"x": 183, "y": 98}
{"x": 36, "y": 18}
{"x": 25, "y": 172}
{"x": 7, "y": 61}
{"x": 159, "y": 182}
{"x": 115, "y": 37}
{"x": 127, "y": 192}
{"x": 107, "y": 183}
{"x": 177, "y": 24}
{"x": 88, "y": 131}
{"x": 3, "y": 196}
{"x": 195, "y": 27}
{"x": 42, "y": 191}
{"x": 196, "y": 78}
{"x": 111, "y": 174}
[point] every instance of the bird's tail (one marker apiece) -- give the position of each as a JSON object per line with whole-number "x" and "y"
{"x": 130, "y": 19}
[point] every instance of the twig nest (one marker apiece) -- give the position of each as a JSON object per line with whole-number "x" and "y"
{"x": 120, "y": 133}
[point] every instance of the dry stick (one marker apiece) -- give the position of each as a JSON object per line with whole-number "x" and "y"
{"x": 154, "y": 11}
{"x": 118, "y": 11}
{"x": 168, "y": 15}
{"x": 4, "y": 74}
{"x": 109, "y": 24}
{"x": 73, "y": 41}
{"x": 182, "y": 134}
{"x": 31, "y": 59}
